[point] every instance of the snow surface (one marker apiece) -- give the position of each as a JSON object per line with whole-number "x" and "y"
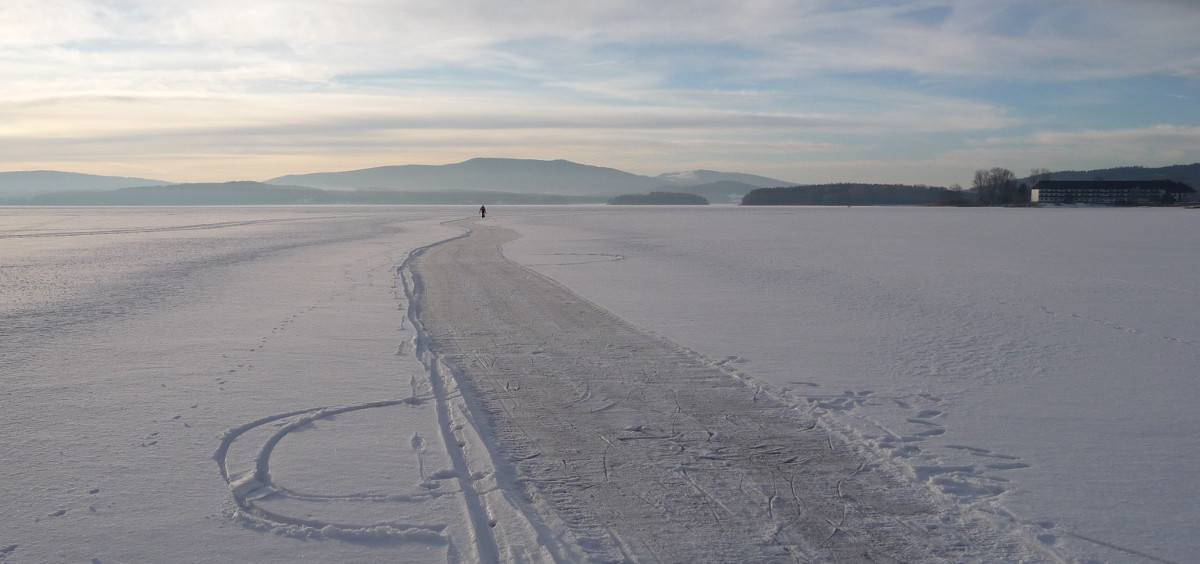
{"x": 631, "y": 448}
{"x": 147, "y": 354}
{"x": 1040, "y": 360}
{"x": 254, "y": 384}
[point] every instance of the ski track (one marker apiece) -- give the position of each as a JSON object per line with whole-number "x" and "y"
{"x": 244, "y": 456}
{"x": 613, "y": 444}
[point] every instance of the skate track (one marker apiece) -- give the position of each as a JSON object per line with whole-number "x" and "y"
{"x": 627, "y": 447}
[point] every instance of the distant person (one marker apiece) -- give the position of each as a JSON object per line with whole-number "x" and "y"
{"x": 482, "y": 211}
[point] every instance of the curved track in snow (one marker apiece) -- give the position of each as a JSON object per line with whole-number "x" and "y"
{"x": 623, "y": 446}
{"x": 250, "y": 481}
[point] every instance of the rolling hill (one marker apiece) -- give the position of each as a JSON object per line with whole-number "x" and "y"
{"x": 23, "y": 184}
{"x": 257, "y": 193}
{"x": 513, "y": 175}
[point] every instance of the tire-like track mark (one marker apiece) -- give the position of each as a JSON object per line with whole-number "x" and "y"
{"x": 644, "y": 451}
{"x": 257, "y": 483}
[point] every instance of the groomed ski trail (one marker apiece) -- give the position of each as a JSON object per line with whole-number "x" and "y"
{"x": 611, "y": 444}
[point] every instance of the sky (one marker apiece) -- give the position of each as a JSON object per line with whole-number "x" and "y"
{"x": 807, "y": 91}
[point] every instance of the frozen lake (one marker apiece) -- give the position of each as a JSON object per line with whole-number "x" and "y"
{"x": 1039, "y": 360}
{"x": 1035, "y": 365}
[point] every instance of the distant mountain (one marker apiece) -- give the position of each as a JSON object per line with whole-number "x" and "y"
{"x": 513, "y": 175}
{"x": 502, "y": 175}
{"x": 22, "y": 184}
{"x": 659, "y": 199}
{"x": 258, "y": 193}
{"x": 225, "y": 193}
{"x": 495, "y": 180}
{"x": 722, "y": 192}
{"x": 1187, "y": 174}
{"x": 701, "y": 177}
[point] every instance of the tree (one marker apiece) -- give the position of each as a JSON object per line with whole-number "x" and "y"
{"x": 997, "y": 186}
{"x": 953, "y": 195}
{"x": 1022, "y": 195}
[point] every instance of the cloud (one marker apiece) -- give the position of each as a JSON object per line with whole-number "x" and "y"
{"x": 1162, "y": 134}
{"x": 312, "y": 118}
{"x": 1156, "y": 145}
{"x": 301, "y": 43}
{"x": 969, "y": 37}
{"x": 678, "y": 80}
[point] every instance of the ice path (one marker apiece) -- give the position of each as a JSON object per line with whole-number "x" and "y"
{"x": 623, "y": 446}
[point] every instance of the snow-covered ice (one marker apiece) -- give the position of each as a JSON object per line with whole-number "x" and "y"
{"x": 272, "y": 384}
{"x": 148, "y": 354}
{"x": 1043, "y": 361}
{"x": 631, "y": 448}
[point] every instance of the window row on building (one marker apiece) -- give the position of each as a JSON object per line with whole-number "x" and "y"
{"x": 1110, "y": 192}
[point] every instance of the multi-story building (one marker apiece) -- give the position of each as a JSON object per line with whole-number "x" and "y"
{"x": 1110, "y": 192}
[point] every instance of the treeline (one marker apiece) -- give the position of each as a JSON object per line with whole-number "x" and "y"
{"x": 851, "y": 194}
{"x": 1187, "y": 174}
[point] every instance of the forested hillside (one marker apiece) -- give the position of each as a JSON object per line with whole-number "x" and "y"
{"x": 848, "y": 194}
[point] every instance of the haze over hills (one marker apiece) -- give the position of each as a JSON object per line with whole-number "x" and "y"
{"x": 493, "y": 180}
{"x": 513, "y": 175}
{"x": 701, "y": 177}
{"x": 246, "y": 193}
{"x": 26, "y": 183}
{"x": 478, "y": 180}
{"x": 722, "y": 191}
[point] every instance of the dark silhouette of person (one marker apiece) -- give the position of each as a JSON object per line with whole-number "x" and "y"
{"x": 482, "y": 211}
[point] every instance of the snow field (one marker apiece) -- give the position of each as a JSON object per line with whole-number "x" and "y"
{"x": 1039, "y": 362}
{"x": 274, "y": 385}
{"x": 643, "y": 450}
{"x": 284, "y": 348}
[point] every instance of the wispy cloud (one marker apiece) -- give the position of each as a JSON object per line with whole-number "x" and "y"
{"x": 652, "y": 84}
{"x": 1156, "y": 145}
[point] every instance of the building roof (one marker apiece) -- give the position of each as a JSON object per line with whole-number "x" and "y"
{"x": 1168, "y": 186}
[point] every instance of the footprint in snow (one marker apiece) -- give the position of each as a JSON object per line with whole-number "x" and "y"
{"x": 919, "y": 421}
{"x": 1006, "y": 466}
{"x": 971, "y": 449}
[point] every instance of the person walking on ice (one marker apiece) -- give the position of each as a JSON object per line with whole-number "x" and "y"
{"x": 482, "y": 212}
